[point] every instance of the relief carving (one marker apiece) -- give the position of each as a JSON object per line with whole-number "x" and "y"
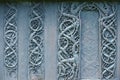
{"x": 68, "y": 44}
{"x": 10, "y": 38}
{"x": 69, "y": 23}
{"x": 36, "y": 45}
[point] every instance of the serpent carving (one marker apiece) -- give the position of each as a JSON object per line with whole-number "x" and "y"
{"x": 36, "y": 47}
{"x": 69, "y": 23}
{"x": 10, "y": 38}
{"x": 68, "y": 45}
{"x": 108, "y": 44}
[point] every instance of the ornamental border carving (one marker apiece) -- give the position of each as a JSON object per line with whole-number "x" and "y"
{"x": 69, "y": 25}
{"x": 11, "y": 40}
{"x": 36, "y": 43}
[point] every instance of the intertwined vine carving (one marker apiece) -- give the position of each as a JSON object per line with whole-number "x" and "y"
{"x": 68, "y": 38}
{"x": 10, "y": 37}
{"x": 36, "y": 48}
{"x": 68, "y": 44}
{"x": 108, "y": 43}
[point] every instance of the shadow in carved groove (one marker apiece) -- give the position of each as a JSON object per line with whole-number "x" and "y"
{"x": 69, "y": 23}
{"x": 10, "y": 38}
{"x": 36, "y": 47}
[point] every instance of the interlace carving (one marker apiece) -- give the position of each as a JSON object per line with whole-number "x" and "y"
{"x": 68, "y": 44}
{"x": 10, "y": 37}
{"x": 108, "y": 44}
{"x": 36, "y": 48}
{"x": 68, "y": 39}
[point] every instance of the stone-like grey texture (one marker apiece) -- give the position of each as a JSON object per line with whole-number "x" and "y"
{"x": 11, "y": 42}
{"x": 90, "y": 64}
{"x": 90, "y": 38}
{"x": 36, "y": 45}
{"x": 70, "y": 54}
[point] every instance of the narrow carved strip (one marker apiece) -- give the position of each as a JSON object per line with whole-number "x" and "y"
{"x": 36, "y": 45}
{"x": 10, "y": 38}
{"x": 108, "y": 42}
{"x": 68, "y": 44}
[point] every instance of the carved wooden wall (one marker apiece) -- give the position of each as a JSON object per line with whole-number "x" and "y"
{"x": 69, "y": 40}
{"x": 60, "y": 41}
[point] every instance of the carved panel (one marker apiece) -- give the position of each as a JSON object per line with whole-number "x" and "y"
{"x": 36, "y": 45}
{"x": 69, "y": 23}
{"x": 11, "y": 42}
{"x": 68, "y": 44}
{"x": 108, "y": 42}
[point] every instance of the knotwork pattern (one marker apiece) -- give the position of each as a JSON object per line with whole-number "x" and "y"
{"x": 10, "y": 38}
{"x": 108, "y": 42}
{"x": 68, "y": 44}
{"x": 68, "y": 39}
{"x": 36, "y": 51}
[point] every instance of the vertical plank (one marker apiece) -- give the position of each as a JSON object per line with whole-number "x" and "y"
{"x": 118, "y": 42}
{"x": 50, "y": 41}
{"x": 23, "y": 36}
{"x": 90, "y": 64}
{"x": 1, "y": 43}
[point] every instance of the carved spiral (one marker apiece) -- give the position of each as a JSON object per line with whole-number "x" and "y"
{"x": 108, "y": 46}
{"x": 36, "y": 40}
{"x": 68, "y": 45}
{"x": 10, "y": 36}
